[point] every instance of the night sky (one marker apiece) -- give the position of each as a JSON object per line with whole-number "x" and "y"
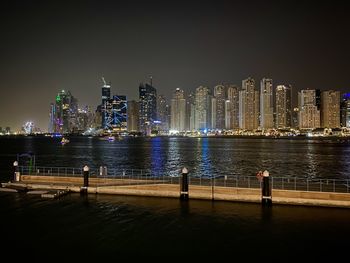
{"x": 47, "y": 46}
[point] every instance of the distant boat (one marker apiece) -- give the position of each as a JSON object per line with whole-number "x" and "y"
{"x": 64, "y": 141}
{"x": 111, "y": 138}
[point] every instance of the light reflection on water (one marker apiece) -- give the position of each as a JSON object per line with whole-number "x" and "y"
{"x": 202, "y": 156}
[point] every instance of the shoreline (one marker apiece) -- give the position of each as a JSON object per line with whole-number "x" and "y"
{"x": 138, "y": 187}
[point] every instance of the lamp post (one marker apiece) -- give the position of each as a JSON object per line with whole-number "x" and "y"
{"x": 212, "y": 187}
{"x": 266, "y": 190}
{"x": 184, "y": 184}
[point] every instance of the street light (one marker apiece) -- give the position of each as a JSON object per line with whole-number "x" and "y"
{"x": 212, "y": 187}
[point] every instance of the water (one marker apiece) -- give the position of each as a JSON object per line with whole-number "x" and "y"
{"x": 203, "y": 156}
{"x": 114, "y": 227}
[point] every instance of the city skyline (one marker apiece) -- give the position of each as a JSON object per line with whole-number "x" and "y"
{"x": 52, "y": 46}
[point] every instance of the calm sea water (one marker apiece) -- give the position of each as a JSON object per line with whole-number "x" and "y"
{"x": 115, "y": 227}
{"x": 203, "y": 156}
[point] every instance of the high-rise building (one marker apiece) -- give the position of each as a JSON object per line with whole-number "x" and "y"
{"x": 233, "y": 98}
{"x": 202, "y": 109}
{"x": 248, "y": 105}
{"x": 106, "y": 106}
{"x": 162, "y": 112}
{"x": 220, "y": 96}
{"x": 178, "y": 111}
{"x": 283, "y": 107}
{"x": 119, "y": 113}
{"x": 85, "y": 119}
{"x": 66, "y": 108}
{"x": 213, "y": 113}
{"x": 228, "y": 111}
{"x": 309, "y": 115}
{"x": 190, "y": 112}
{"x": 266, "y": 104}
{"x": 133, "y": 116}
{"x": 345, "y": 110}
{"x": 52, "y": 116}
{"x": 330, "y": 109}
{"x": 148, "y": 107}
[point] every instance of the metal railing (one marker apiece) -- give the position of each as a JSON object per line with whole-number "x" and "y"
{"x": 141, "y": 177}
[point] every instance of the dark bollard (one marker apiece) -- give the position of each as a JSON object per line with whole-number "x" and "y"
{"x": 16, "y": 174}
{"x": 83, "y": 189}
{"x": 184, "y": 184}
{"x": 266, "y": 190}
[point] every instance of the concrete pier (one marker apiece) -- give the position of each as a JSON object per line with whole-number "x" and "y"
{"x": 158, "y": 188}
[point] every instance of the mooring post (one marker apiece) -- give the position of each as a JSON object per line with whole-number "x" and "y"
{"x": 184, "y": 184}
{"x": 16, "y": 174}
{"x": 266, "y": 199}
{"x": 84, "y": 189}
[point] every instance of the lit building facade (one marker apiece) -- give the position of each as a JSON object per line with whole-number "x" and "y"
{"x": 202, "y": 109}
{"x": 248, "y": 105}
{"x": 266, "y": 104}
{"x": 309, "y": 114}
{"x": 345, "y": 110}
{"x": 220, "y": 97}
{"x": 148, "y": 107}
{"x": 106, "y": 106}
{"x": 162, "y": 113}
{"x": 133, "y": 116}
{"x": 330, "y": 109}
{"x": 178, "y": 111}
{"x": 283, "y": 107}
{"x": 119, "y": 113}
{"x": 233, "y": 106}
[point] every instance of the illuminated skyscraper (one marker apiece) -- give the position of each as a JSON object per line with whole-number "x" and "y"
{"x": 66, "y": 109}
{"x": 133, "y": 116}
{"x": 106, "y": 106}
{"x": 148, "y": 107}
{"x": 345, "y": 110}
{"x": 52, "y": 116}
{"x": 248, "y": 105}
{"x": 220, "y": 96}
{"x": 233, "y": 106}
{"x": 309, "y": 115}
{"x": 119, "y": 113}
{"x": 190, "y": 112}
{"x": 330, "y": 109}
{"x": 266, "y": 104}
{"x": 203, "y": 109}
{"x": 283, "y": 107}
{"x": 162, "y": 113}
{"x": 178, "y": 111}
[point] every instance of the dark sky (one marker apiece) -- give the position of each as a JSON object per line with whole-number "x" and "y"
{"x": 47, "y": 46}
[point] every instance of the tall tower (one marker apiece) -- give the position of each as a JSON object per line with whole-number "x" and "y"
{"x": 330, "y": 105}
{"x": 248, "y": 105}
{"x": 266, "y": 104}
{"x": 162, "y": 112}
{"x": 119, "y": 113}
{"x": 133, "y": 116}
{"x": 233, "y": 105}
{"x": 309, "y": 115}
{"x": 66, "y": 109}
{"x": 190, "y": 112}
{"x": 202, "y": 108}
{"x": 220, "y": 96}
{"x": 52, "y": 116}
{"x": 178, "y": 111}
{"x": 148, "y": 107}
{"x": 106, "y": 106}
{"x": 283, "y": 107}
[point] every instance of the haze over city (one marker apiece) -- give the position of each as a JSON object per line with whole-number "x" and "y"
{"x": 50, "y": 46}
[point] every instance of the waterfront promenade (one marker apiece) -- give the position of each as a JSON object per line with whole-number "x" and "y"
{"x": 292, "y": 191}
